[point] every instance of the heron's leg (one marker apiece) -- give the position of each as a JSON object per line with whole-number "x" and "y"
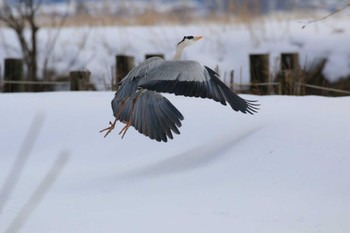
{"x": 112, "y": 125}
{"x": 126, "y": 127}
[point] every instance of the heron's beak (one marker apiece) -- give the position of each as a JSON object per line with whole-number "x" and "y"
{"x": 197, "y": 38}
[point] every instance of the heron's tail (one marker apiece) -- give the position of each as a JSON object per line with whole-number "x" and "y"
{"x": 151, "y": 114}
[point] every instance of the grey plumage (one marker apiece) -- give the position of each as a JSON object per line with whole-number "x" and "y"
{"x": 148, "y": 112}
{"x": 138, "y": 101}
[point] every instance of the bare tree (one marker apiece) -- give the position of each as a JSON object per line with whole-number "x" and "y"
{"x": 19, "y": 15}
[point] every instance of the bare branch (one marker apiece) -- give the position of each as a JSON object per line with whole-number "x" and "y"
{"x": 326, "y": 16}
{"x": 50, "y": 46}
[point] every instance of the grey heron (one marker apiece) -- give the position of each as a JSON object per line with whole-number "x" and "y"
{"x": 138, "y": 101}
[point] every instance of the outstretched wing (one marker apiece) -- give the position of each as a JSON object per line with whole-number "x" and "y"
{"x": 149, "y": 113}
{"x": 142, "y": 69}
{"x": 189, "y": 78}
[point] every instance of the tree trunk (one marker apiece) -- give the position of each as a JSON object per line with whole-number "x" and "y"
{"x": 32, "y": 63}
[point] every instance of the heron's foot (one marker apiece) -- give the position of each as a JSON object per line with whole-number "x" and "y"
{"x": 123, "y": 131}
{"x": 109, "y": 128}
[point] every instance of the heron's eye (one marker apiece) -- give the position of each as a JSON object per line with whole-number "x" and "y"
{"x": 190, "y": 37}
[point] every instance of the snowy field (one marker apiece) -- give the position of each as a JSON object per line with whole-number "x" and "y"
{"x": 285, "y": 169}
{"x": 226, "y": 45}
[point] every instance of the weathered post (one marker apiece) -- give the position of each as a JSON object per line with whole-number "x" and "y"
{"x": 79, "y": 80}
{"x": 259, "y": 73}
{"x": 289, "y": 61}
{"x": 13, "y": 73}
{"x": 289, "y": 76}
{"x": 232, "y": 81}
{"x": 154, "y": 55}
{"x": 123, "y": 65}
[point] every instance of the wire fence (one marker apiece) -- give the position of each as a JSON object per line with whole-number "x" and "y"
{"x": 325, "y": 88}
{"x": 289, "y": 82}
{"x": 50, "y": 85}
{"x": 274, "y": 88}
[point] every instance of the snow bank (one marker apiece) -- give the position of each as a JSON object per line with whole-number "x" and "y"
{"x": 284, "y": 169}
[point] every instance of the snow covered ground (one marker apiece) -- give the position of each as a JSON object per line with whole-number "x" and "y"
{"x": 285, "y": 169}
{"x": 227, "y": 45}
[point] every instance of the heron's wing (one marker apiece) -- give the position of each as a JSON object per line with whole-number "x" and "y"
{"x": 189, "y": 78}
{"x": 150, "y": 114}
{"x": 141, "y": 69}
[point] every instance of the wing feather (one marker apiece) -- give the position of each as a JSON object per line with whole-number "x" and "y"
{"x": 189, "y": 78}
{"x": 152, "y": 115}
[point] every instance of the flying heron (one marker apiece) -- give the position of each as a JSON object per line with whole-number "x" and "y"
{"x": 138, "y": 102}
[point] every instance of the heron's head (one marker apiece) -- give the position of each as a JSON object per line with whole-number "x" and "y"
{"x": 188, "y": 40}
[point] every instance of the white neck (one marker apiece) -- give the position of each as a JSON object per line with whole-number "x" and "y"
{"x": 178, "y": 53}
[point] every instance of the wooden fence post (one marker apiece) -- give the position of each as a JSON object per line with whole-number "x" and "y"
{"x": 259, "y": 72}
{"x": 79, "y": 80}
{"x": 289, "y": 61}
{"x": 154, "y": 55}
{"x": 123, "y": 65}
{"x": 232, "y": 80}
{"x": 289, "y": 76}
{"x": 13, "y": 72}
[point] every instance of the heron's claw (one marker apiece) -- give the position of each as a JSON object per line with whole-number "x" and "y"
{"x": 109, "y": 129}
